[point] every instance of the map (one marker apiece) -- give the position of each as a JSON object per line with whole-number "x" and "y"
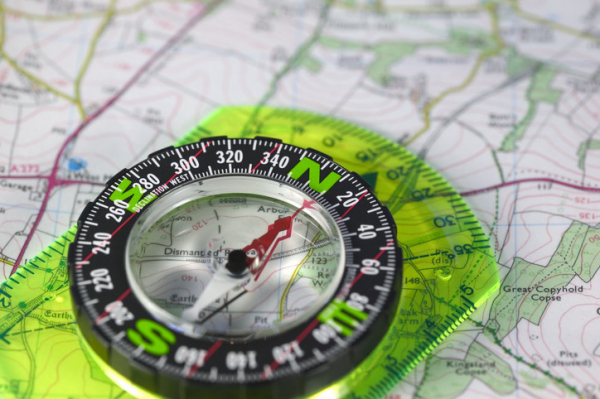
{"x": 502, "y": 98}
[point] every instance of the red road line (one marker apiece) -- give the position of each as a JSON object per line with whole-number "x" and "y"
{"x": 52, "y": 180}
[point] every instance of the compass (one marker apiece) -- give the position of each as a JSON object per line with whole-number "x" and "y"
{"x": 235, "y": 267}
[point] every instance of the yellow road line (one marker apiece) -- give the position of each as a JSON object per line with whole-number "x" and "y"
{"x": 7, "y": 262}
{"x": 482, "y": 57}
{"x": 110, "y": 12}
{"x": 92, "y": 14}
{"x": 20, "y": 70}
{"x": 289, "y": 284}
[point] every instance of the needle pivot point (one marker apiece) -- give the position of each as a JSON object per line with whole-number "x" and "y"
{"x": 236, "y": 262}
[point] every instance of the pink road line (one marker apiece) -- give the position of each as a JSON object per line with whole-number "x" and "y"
{"x": 531, "y": 180}
{"x": 52, "y": 180}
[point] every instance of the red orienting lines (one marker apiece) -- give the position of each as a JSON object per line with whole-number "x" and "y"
{"x": 209, "y": 353}
{"x": 261, "y": 161}
{"x": 349, "y": 209}
{"x": 129, "y": 218}
{"x": 119, "y": 299}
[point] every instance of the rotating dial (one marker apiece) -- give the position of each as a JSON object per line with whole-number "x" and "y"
{"x": 234, "y": 267}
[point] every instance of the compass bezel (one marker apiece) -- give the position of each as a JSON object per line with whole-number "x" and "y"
{"x": 325, "y": 358}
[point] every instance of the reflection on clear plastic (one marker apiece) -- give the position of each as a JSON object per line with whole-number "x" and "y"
{"x": 178, "y": 252}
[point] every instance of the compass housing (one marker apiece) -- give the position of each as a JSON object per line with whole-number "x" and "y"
{"x": 154, "y": 351}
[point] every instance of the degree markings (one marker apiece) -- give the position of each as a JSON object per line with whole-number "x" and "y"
{"x": 293, "y": 365}
{"x": 105, "y": 313}
{"x": 138, "y": 351}
{"x": 209, "y": 353}
{"x": 372, "y": 308}
{"x": 352, "y": 207}
{"x": 119, "y": 336}
{"x": 265, "y": 157}
{"x": 318, "y": 354}
{"x": 80, "y": 264}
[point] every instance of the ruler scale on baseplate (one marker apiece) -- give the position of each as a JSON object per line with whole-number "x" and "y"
{"x": 448, "y": 266}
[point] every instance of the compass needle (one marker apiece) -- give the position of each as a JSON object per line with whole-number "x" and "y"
{"x": 239, "y": 264}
